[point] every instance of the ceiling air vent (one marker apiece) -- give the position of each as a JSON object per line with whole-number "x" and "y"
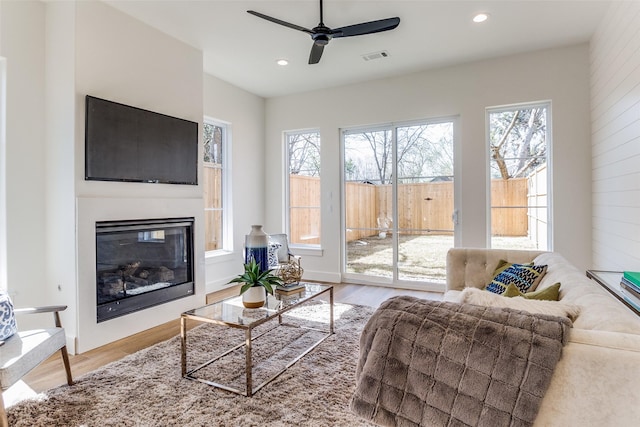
{"x": 375, "y": 55}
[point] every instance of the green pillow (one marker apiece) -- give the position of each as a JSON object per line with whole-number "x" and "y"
{"x": 551, "y": 293}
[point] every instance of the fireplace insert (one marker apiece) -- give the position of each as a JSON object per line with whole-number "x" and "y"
{"x": 142, "y": 263}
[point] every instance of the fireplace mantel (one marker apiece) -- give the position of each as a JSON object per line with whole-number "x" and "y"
{"x": 89, "y": 333}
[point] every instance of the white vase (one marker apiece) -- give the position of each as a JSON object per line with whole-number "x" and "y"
{"x": 254, "y": 297}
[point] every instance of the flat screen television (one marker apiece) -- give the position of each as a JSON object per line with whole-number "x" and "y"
{"x": 124, "y": 143}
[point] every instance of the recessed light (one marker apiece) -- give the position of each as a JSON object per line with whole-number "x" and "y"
{"x": 480, "y": 17}
{"x": 282, "y": 62}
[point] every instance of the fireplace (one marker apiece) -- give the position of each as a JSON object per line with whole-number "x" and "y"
{"x": 141, "y": 264}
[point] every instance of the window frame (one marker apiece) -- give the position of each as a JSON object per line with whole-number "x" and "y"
{"x": 547, "y": 104}
{"x": 226, "y": 200}
{"x": 287, "y": 188}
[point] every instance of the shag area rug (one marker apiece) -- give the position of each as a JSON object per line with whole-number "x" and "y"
{"x": 147, "y": 389}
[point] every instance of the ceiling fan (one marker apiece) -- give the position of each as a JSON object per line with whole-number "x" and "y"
{"x": 322, "y": 34}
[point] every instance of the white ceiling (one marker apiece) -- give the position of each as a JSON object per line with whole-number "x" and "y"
{"x": 242, "y": 49}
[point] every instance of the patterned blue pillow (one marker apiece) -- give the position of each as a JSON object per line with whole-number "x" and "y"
{"x": 524, "y": 276}
{"x": 7, "y": 317}
{"x": 273, "y": 254}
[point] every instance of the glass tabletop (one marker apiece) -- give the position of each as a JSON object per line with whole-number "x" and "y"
{"x": 612, "y": 278}
{"x": 231, "y": 312}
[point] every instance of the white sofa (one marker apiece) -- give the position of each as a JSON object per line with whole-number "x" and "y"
{"x": 597, "y": 380}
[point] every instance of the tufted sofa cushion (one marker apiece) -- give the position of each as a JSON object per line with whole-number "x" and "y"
{"x": 475, "y": 267}
{"x": 600, "y": 310}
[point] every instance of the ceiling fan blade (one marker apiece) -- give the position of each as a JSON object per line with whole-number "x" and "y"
{"x": 366, "y": 28}
{"x": 278, "y": 21}
{"x": 316, "y": 53}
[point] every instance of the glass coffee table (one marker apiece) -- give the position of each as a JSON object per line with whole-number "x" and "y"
{"x": 232, "y": 314}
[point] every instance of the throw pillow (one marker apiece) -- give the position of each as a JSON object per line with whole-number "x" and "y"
{"x": 550, "y": 293}
{"x": 273, "y": 254}
{"x": 525, "y": 277}
{"x": 489, "y": 299}
{"x": 503, "y": 265}
{"x": 7, "y": 317}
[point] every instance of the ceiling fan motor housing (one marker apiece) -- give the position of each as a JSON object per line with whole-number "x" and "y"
{"x": 321, "y": 36}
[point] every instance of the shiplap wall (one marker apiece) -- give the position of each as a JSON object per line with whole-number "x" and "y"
{"x": 615, "y": 115}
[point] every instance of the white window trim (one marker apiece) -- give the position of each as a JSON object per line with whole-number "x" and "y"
{"x": 314, "y": 249}
{"x": 510, "y": 107}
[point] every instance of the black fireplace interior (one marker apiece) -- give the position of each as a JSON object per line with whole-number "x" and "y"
{"x": 142, "y": 263}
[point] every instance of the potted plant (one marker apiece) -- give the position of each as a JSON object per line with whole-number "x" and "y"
{"x": 256, "y": 284}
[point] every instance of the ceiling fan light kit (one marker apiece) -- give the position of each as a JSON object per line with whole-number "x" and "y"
{"x": 321, "y": 34}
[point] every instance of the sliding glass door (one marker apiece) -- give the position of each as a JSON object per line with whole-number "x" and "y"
{"x": 398, "y": 229}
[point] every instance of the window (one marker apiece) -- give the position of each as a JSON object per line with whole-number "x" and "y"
{"x": 519, "y": 146}
{"x": 303, "y": 179}
{"x": 216, "y": 148}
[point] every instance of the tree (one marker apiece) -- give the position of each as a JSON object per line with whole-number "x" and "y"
{"x": 424, "y": 151}
{"x": 350, "y": 170}
{"x": 212, "y": 136}
{"x": 304, "y": 154}
{"x": 368, "y": 156}
{"x": 380, "y": 143}
{"x": 517, "y": 141}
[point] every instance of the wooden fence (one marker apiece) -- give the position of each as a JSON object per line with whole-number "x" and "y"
{"x": 304, "y": 212}
{"x": 426, "y": 206}
{"x": 212, "y": 205}
{"x": 509, "y": 207}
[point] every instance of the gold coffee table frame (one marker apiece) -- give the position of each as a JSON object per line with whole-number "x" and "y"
{"x": 228, "y": 312}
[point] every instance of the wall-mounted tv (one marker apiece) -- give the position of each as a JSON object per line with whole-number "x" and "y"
{"x": 124, "y": 143}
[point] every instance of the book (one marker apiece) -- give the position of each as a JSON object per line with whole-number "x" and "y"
{"x": 628, "y": 286}
{"x": 632, "y": 276}
{"x": 290, "y": 289}
{"x": 631, "y": 299}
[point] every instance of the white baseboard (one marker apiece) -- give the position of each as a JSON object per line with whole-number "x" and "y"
{"x": 322, "y": 276}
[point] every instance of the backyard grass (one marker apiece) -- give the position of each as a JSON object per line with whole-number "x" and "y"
{"x": 420, "y": 258}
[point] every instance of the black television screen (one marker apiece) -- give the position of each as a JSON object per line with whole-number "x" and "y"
{"x": 124, "y": 143}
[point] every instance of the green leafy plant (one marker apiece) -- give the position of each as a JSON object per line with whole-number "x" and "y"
{"x": 254, "y": 277}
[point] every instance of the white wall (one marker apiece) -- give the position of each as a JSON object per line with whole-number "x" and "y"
{"x": 3, "y": 164}
{"x": 245, "y": 113}
{"x": 3, "y": 157}
{"x": 3, "y": 174}
{"x": 59, "y": 101}
{"x": 56, "y": 53}
{"x": 559, "y": 75}
{"x": 615, "y": 113}
{"x": 121, "y": 59}
{"x": 23, "y": 44}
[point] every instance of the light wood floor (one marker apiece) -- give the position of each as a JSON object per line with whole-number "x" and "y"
{"x": 51, "y": 373}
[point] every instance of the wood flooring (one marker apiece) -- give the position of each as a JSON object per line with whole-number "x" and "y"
{"x": 51, "y": 373}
